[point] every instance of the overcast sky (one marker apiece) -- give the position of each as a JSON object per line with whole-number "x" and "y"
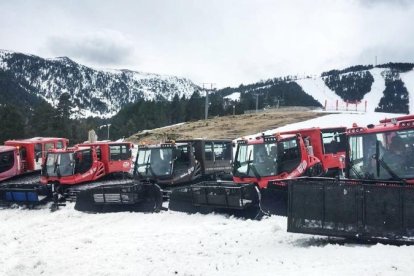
{"x": 224, "y": 42}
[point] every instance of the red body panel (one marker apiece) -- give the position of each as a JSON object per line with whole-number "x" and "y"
{"x": 311, "y": 155}
{"x": 14, "y": 169}
{"x": 384, "y": 126}
{"x": 328, "y": 160}
{"x": 25, "y": 159}
{"x": 101, "y": 166}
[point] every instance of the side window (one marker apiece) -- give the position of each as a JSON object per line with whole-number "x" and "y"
{"x": 222, "y": 151}
{"x": 125, "y": 152}
{"x": 227, "y": 151}
{"x": 59, "y": 145}
{"x": 38, "y": 150}
{"x": 333, "y": 141}
{"x": 182, "y": 155}
{"x": 115, "y": 152}
{"x": 6, "y": 161}
{"x": 356, "y": 147}
{"x": 49, "y": 146}
{"x": 209, "y": 151}
{"x": 23, "y": 153}
{"x": 83, "y": 161}
{"x": 98, "y": 153}
{"x": 119, "y": 152}
{"x": 289, "y": 150}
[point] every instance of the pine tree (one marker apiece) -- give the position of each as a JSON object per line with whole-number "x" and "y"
{"x": 11, "y": 123}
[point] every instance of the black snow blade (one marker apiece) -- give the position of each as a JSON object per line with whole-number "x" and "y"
{"x": 134, "y": 197}
{"x": 25, "y": 194}
{"x": 274, "y": 198}
{"x": 241, "y": 200}
{"x": 357, "y": 209}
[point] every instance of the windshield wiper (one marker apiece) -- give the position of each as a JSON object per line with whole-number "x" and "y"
{"x": 354, "y": 170}
{"x": 249, "y": 161}
{"x": 57, "y": 168}
{"x": 393, "y": 174}
{"x": 256, "y": 173}
{"x": 381, "y": 162}
{"x": 148, "y": 167}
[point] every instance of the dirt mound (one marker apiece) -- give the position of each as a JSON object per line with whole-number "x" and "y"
{"x": 227, "y": 127}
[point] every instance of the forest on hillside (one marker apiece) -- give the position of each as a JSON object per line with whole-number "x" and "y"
{"x": 33, "y": 116}
{"x": 25, "y": 114}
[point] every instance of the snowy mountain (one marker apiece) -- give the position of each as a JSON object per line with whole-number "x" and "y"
{"x": 92, "y": 92}
{"x": 25, "y": 79}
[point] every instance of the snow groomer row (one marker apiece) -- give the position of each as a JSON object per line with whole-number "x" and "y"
{"x": 348, "y": 182}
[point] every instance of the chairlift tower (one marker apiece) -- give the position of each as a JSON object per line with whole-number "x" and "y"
{"x": 207, "y": 102}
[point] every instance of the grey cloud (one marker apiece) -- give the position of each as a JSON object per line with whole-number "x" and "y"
{"x": 401, "y": 3}
{"x": 102, "y": 48}
{"x": 385, "y": 54}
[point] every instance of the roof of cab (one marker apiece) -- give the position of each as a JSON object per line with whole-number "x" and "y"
{"x": 6, "y": 148}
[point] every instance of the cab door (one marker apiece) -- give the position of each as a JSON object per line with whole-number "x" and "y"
{"x": 120, "y": 158}
{"x": 38, "y": 156}
{"x": 217, "y": 156}
{"x": 223, "y": 156}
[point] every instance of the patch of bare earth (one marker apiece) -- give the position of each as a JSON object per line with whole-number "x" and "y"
{"x": 227, "y": 127}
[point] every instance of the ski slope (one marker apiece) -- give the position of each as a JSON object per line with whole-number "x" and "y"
{"x": 68, "y": 242}
{"x": 317, "y": 88}
{"x": 408, "y": 79}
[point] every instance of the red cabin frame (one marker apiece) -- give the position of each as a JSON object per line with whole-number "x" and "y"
{"x": 312, "y": 152}
{"x": 27, "y": 155}
{"x": 101, "y": 159}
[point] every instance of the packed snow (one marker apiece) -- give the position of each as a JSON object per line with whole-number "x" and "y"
{"x": 233, "y": 97}
{"x": 408, "y": 79}
{"x": 317, "y": 88}
{"x": 346, "y": 119}
{"x": 377, "y": 90}
{"x": 38, "y": 242}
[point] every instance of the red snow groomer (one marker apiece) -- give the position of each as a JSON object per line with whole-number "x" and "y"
{"x": 67, "y": 171}
{"x": 86, "y": 162}
{"x": 19, "y": 160}
{"x": 375, "y": 200}
{"x": 259, "y": 161}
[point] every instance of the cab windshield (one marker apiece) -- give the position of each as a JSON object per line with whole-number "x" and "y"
{"x": 68, "y": 163}
{"x": 60, "y": 164}
{"x": 385, "y": 155}
{"x": 268, "y": 159}
{"x": 154, "y": 162}
{"x": 6, "y": 161}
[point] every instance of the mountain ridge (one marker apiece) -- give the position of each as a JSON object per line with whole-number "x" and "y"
{"x": 105, "y": 92}
{"x": 92, "y": 92}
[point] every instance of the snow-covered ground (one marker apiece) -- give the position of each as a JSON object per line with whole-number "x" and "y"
{"x": 346, "y": 119}
{"x": 68, "y": 242}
